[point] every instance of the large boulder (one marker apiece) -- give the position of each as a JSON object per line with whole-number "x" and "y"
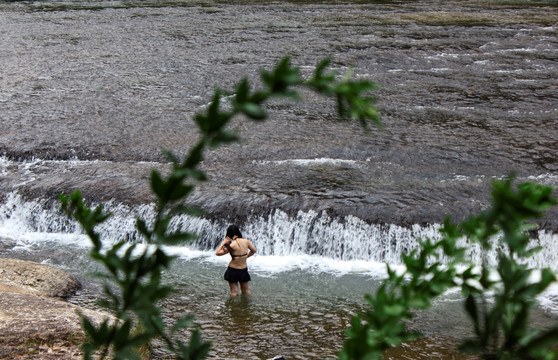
{"x": 37, "y": 278}
{"x": 35, "y": 321}
{"x": 37, "y": 327}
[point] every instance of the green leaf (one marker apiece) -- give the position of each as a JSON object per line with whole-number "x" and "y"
{"x": 191, "y": 173}
{"x": 223, "y": 137}
{"x": 195, "y": 156}
{"x": 170, "y": 155}
{"x": 179, "y": 191}
{"x": 253, "y": 111}
{"x": 242, "y": 92}
{"x": 122, "y": 334}
{"x": 419, "y": 302}
{"x": 531, "y": 291}
{"x": 158, "y": 185}
{"x": 142, "y": 228}
{"x": 544, "y": 342}
{"x": 394, "y": 309}
{"x": 282, "y": 78}
{"x": 259, "y": 97}
{"x": 472, "y": 311}
{"x": 323, "y": 83}
{"x": 198, "y": 349}
{"x": 89, "y": 328}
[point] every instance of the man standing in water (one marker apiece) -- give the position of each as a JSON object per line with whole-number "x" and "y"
{"x": 240, "y": 249}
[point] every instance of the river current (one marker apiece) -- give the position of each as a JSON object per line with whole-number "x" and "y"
{"x": 90, "y": 92}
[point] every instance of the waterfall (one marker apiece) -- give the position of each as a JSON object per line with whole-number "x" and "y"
{"x": 277, "y": 233}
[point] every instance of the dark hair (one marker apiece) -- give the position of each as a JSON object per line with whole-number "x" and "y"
{"x": 233, "y": 231}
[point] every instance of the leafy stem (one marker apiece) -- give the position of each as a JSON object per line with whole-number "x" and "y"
{"x": 501, "y": 325}
{"x": 137, "y": 274}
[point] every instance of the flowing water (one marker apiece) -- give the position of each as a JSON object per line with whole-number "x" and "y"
{"x": 90, "y": 93}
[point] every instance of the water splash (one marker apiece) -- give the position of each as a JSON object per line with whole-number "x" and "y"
{"x": 348, "y": 238}
{"x": 309, "y": 162}
{"x": 277, "y": 234}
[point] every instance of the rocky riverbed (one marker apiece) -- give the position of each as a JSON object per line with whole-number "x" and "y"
{"x": 468, "y": 94}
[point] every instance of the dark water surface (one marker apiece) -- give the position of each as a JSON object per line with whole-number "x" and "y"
{"x": 90, "y": 92}
{"x": 298, "y": 313}
{"x": 469, "y": 92}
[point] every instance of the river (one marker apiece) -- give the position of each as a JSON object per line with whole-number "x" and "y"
{"x": 91, "y": 92}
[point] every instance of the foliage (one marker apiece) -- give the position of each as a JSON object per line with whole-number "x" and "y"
{"x": 498, "y": 297}
{"x": 502, "y": 330}
{"x": 133, "y": 271}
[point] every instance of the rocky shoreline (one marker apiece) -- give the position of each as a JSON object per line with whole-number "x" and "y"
{"x": 35, "y": 320}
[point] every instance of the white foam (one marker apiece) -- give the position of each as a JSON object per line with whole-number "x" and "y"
{"x": 272, "y": 265}
{"x": 276, "y": 234}
{"x": 309, "y": 241}
{"x": 549, "y": 299}
{"x": 308, "y": 162}
{"x": 34, "y": 162}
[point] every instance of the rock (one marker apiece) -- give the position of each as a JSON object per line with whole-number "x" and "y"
{"x": 37, "y": 278}
{"x": 35, "y": 321}
{"x": 37, "y": 327}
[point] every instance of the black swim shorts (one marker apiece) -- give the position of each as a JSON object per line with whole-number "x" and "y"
{"x": 237, "y": 275}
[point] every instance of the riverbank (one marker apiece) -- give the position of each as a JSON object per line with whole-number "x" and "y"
{"x": 35, "y": 321}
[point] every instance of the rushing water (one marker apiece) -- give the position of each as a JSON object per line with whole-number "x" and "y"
{"x": 302, "y": 302}
{"x": 91, "y": 92}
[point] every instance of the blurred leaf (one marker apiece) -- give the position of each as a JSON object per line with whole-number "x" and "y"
{"x": 223, "y": 137}
{"x": 242, "y": 92}
{"x": 254, "y": 111}
{"x": 158, "y": 185}
{"x": 142, "y": 228}
{"x": 180, "y": 191}
{"x": 195, "y": 156}
{"x": 282, "y": 78}
{"x": 544, "y": 342}
{"x": 170, "y": 155}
